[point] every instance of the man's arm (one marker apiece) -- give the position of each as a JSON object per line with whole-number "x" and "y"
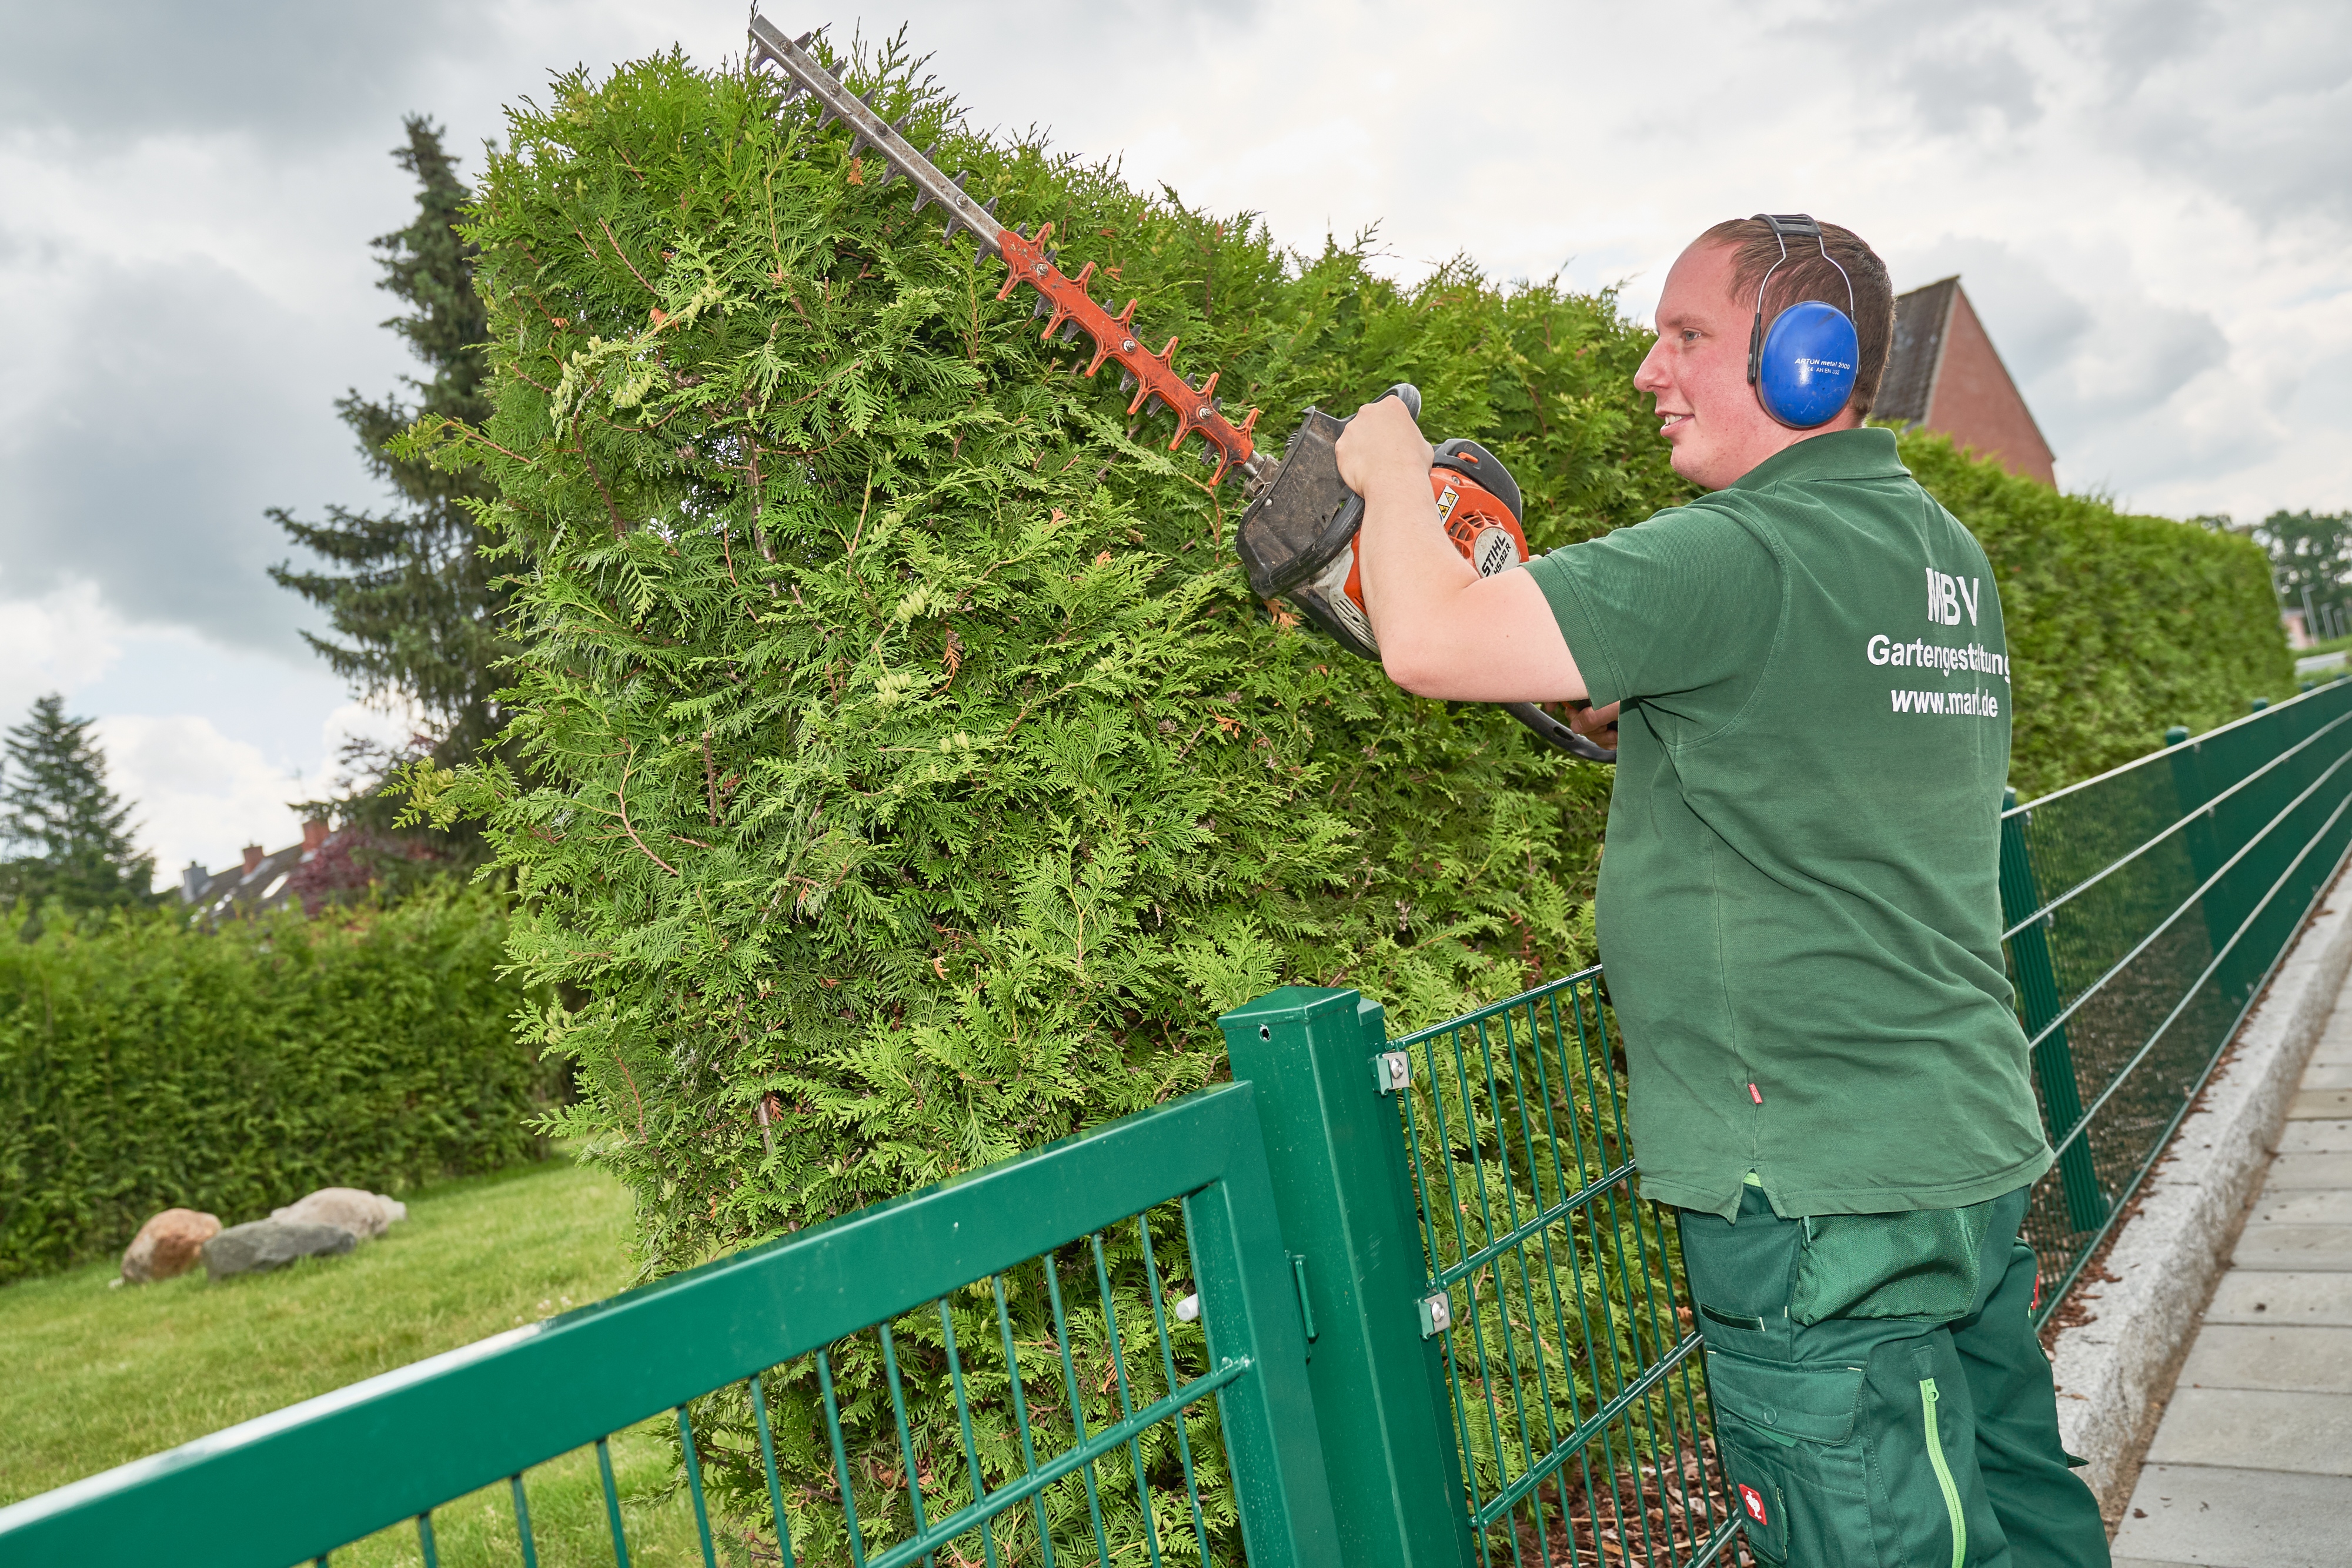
{"x": 1445, "y": 631}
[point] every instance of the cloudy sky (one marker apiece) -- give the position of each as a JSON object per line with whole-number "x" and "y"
{"x": 2150, "y": 203}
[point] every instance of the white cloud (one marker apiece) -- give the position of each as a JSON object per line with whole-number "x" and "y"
{"x": 203, "y": 795}
{"x": 62, "y": 641}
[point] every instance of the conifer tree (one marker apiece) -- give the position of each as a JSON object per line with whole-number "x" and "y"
{"x": 68, "y": 834}
{"x": 417, "y": 609}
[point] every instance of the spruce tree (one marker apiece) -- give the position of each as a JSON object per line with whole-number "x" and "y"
{"x": 68, "y": 834}
{"x": 417, "y": 609}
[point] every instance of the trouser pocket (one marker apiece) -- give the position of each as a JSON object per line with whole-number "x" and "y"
{"x": 1798, "y": 1475}
{"x": 1931, "y": 1509}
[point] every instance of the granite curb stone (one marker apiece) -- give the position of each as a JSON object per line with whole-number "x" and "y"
{"x": 2113, "y": 1370}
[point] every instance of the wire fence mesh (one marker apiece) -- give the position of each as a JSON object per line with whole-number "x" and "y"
{"x": 1579, "y": 1404}
{"x": 1087, "y": 1355}
{"x": 2146, "y": 909}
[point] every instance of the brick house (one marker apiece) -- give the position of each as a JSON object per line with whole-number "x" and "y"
{"x": 1945, "y": 375}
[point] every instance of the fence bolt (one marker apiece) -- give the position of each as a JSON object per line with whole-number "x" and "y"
{"x": 1393, "y": 1071}
{"x": 1436, "y": 1315}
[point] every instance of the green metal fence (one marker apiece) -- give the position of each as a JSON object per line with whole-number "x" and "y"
{"x": 2146, "y": 910}
{"x": 927, "y": 1288}
{"x": 1379, "y": 1301}
{"x": 1540, "y": 1402}
{"x": 1577, "y": 1394}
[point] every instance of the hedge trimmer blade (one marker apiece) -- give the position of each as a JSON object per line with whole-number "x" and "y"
{"x": 1063, "y": 299}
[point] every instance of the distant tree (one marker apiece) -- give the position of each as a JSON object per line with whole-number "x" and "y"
{"x": 67, "y": 835}
{"x": 2310, "y": 561}
{"x": 418, "y": 611}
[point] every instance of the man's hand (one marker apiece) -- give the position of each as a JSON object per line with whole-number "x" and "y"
{"x": 1443, "y": 631}
{"x": 1382, "y": 446}
{"x": 1597, "y": 724}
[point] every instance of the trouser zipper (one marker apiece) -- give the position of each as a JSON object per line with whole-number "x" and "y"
{"x": 1944, "y": 1473}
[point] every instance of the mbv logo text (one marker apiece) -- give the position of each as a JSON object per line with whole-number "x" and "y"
{"x": 1947, "y": 595}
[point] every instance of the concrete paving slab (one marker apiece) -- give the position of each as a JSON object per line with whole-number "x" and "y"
{"x": 2235, "y": 1519}
{"x": 2145, "y": 1562}
{"x": 2294, "y": 1246}
{"x": 2290, "y": 1172}
{"x": 2333, "y": 1074}
{"x": 2259, "y": 1430}
{"x": 2325, "y": 1205}
{"x": 2320, "y": 1105}
{"x": 2259, "y": 1296}
{"x": 2226, "y": 1355}
{"x": 2316, "y": 1138}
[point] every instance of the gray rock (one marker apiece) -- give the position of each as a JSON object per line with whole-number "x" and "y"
{"x": 365, "y": 1215}
{"x": 272, "y": 1244}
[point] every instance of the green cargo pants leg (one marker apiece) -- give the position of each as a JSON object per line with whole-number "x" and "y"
{"x": 1879, "y": 1396}
{"x": 2051, "y": 1518}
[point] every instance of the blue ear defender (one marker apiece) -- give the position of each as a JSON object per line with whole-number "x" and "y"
{"x": 1804, "y": 368}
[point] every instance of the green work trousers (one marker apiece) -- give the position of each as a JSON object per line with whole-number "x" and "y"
{"x": 1881, "y": 1399}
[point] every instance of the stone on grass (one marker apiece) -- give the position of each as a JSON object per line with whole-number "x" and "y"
{"x": 267, "y": 1244}
{"x": 365, "y": 1215}
{"x": 168, "y": 1244}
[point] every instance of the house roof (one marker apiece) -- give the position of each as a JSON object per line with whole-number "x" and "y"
{"x": 1923, "y": 319}
{"x": 266, "y": 886}
{"x": 1944, "y": 374}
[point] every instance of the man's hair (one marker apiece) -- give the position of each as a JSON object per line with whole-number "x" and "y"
{"x": 1807, "y": 276}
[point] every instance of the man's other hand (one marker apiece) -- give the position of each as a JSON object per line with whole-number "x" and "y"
{"x": 1597, "y": 724}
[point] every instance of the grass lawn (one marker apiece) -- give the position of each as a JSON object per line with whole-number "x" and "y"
{"x": 96, "y": 1377}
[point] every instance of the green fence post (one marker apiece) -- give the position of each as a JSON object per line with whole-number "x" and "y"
{"x": 2037, "y": 990}
{"x": 1345, "y": 1199}
{"x": 2194, "y": 787}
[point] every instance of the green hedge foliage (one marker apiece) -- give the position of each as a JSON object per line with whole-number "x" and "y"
{"x": 145, "y": 1065}
{"x": 912, "y": 777}
{"x": 2119, "y": 626}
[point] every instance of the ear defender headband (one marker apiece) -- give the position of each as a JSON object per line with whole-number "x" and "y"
{"x": 1803, "y": 369}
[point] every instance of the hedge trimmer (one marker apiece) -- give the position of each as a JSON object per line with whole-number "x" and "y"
{"x": 1297, "y": 535}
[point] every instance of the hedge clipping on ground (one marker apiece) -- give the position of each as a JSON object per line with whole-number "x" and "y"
{"x": 146, "y": 1065}
{"x": 911, "y": 777}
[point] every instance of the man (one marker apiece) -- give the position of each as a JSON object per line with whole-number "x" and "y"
{"x": 1800, "y": 916}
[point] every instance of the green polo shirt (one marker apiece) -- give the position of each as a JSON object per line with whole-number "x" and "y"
{"x": 1799, "y": 907}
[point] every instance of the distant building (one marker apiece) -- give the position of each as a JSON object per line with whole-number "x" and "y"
{"x": 1945, "y": 375}
{"x": 263, "y": 882}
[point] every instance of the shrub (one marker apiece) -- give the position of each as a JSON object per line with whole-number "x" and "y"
{"x": 2119, "y": 626}
{"x": 144, "y": 1065}
{"x": 916, "y": 777}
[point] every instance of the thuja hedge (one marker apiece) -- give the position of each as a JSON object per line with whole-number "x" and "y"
{"x": 911, "y": 777}
{"x": 912, "y": 766}
{"x": 145, "y": 1065}
{"x": 2119, "y": 626}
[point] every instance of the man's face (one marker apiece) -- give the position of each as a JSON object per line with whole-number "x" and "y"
{"x": 1699, "y": 371}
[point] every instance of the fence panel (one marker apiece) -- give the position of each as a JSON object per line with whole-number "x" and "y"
{"x": 2146, "y": 909}
{"x": 1143, "y": 1259}
{"x": 1578, "y": 1400}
